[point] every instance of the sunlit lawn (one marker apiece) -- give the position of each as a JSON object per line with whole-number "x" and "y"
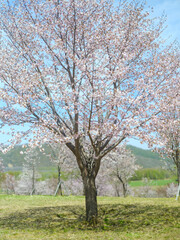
{"x": 60, "y": 218}
{"x": 161, "y": 182}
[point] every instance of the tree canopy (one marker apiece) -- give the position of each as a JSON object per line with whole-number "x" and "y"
{"x": 86, "y": 73}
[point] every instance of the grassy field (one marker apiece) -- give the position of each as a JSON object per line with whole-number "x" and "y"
{"x": 62, "y": 218}
{"x": 160, "y": 182}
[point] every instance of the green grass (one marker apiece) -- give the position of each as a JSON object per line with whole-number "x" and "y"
{"x": 62, "y": 218}
{"x": 161, "y": 182}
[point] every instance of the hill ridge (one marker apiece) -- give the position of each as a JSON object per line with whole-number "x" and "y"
{"x": 144, "y": 157}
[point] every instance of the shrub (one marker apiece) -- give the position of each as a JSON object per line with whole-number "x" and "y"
{"x": 171, "y": 190}
{"x": 151, "y": 173}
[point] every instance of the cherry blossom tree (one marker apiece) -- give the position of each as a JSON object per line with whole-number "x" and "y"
{"x": 1, "y": 165}
{"x": 122, "y": 165}
{"x": 29, "y": 176}
{"x": 1, "y": 170}
{"x": 86, "y": 73}
{"x": 9, "y": 184}
{"x": 167, "y": 129}
{"x": 63, "y": 159}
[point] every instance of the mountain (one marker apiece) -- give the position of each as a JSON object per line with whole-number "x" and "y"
{"x": 14, "y": 160}
{"x": 147, "y": 158}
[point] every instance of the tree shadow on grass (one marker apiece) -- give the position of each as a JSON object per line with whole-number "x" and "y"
{"x": 116, "y": 217}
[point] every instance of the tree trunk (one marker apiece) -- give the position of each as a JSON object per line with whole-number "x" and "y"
{"x": 33, "y": 180}
{"x": 59, "y": 185}
{"x": 117, "y": 190}
{"x": 59, "y": 181}
{"x": 90, "y": 198}
{"x": 178, "y": 173}
{"x": 124, "y": 189}
{"x": 124, "y": 185}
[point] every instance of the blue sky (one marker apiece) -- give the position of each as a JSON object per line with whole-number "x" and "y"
{"x": 172, "y": 9}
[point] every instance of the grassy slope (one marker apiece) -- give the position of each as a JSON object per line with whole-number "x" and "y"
{"x": 60, "y": 218}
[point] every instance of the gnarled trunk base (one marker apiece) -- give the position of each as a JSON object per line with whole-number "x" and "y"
{"x": 91, "y": 199}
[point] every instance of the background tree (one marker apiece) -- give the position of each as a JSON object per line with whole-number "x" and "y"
{"x": 1, "y": 165}
{"x": 27, "y": 182}
{"x": 9, "y": 183}
{"x": 86, "y": 73}
{"x": 60, "y": 156}
{"x": 2, "y": 176}
{"x": 122, "y": 165}
{"x": 167, "y": 129}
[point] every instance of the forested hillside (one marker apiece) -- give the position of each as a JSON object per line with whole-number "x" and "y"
{"x": 145, "y": 158}
{"x": 13, "y": 160}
